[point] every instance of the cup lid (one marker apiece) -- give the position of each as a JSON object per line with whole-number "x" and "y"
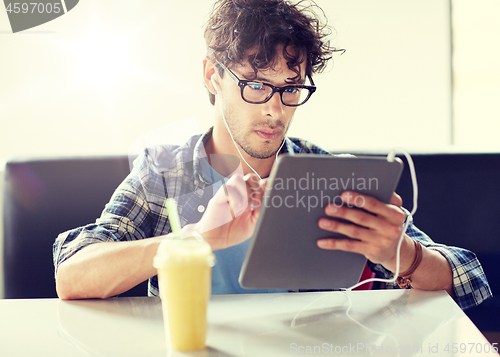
{"x": 183, "y": 251}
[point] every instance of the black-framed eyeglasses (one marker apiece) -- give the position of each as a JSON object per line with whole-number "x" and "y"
{"x": 257, "y": 92}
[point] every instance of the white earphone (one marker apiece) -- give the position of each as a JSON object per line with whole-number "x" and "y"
{"x": 213, "y": 82}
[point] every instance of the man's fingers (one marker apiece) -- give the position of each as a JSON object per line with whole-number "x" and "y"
{"x": 235, "y": 190}
{"x": 252, "y": 181}
{"x": 239, "y": 194}
{"x": 256, "y": 188}
{"x": 362, "y": 225}
{"x": 347, "y": 245}
{"x": 396, "y": 200}
{"x": 348, "y": 229}
{"x": 392, "y": 213}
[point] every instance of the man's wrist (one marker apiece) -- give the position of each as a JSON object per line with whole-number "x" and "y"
{"x": 404, "y": 279}
{"x": 406, "y": 254}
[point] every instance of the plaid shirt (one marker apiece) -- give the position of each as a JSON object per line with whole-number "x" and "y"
{"x": 137, "y": 211}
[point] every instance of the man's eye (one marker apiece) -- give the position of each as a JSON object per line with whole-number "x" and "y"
{"x": 255, "y": 86}
{"x": 292, "y": 90}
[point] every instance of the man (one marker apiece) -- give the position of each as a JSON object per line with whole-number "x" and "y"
{"x": 261, "y": 58}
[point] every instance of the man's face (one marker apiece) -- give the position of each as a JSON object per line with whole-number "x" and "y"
{"x": 258, "y": 129}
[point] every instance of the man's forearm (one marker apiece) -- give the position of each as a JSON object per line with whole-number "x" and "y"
{"x": 106, "y": 269}
{"x": 434, "y": 273}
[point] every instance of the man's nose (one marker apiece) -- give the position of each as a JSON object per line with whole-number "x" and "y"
{"x": 273, "y": 107}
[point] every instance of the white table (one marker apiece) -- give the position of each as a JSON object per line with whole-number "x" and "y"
{"x": 411, "y": 322}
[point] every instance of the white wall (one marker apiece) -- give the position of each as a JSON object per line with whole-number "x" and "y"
{"x": 476, "y": 53}
{"x": 1, "y": 230}
{"x": 392, "y": 87}
{"x": 94, "y": 80}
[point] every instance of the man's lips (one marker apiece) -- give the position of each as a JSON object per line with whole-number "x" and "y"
{"x": 268, "y": 134}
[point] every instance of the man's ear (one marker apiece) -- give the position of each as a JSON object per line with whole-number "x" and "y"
{"x": 209, "y": 75}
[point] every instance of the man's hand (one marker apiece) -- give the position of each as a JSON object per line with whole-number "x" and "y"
{"x": 232, "y": 213}
{"x": 375, "y": 233}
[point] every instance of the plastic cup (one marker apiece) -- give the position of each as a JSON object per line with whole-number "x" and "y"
{"x": 184, "y": 277}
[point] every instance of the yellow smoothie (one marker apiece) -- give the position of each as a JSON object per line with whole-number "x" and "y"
{"x": 184, "y": 277}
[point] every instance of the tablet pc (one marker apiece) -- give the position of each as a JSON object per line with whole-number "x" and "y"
{"x": 282, "y": 253}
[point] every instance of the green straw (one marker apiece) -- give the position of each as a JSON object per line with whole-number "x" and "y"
{"x": 173, "y": 217}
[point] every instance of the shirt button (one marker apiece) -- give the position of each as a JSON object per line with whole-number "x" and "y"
{"x": 201, "y": 209}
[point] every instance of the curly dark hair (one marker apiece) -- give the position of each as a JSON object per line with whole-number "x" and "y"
{"x": 235, "y": 26}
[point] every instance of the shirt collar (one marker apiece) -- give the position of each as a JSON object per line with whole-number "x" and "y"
{"x": 200, "y": 162}
{"x": 290, "y": 147}
{"x": 199, "y": 156}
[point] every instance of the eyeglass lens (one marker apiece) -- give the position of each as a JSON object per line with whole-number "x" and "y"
{"x": 260, "y": 92}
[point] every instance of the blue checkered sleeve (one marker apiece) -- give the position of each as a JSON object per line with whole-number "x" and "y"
{"x": 130, "y": 215}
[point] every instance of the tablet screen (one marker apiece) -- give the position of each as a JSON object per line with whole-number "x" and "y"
{"x": 283, "y": 253}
